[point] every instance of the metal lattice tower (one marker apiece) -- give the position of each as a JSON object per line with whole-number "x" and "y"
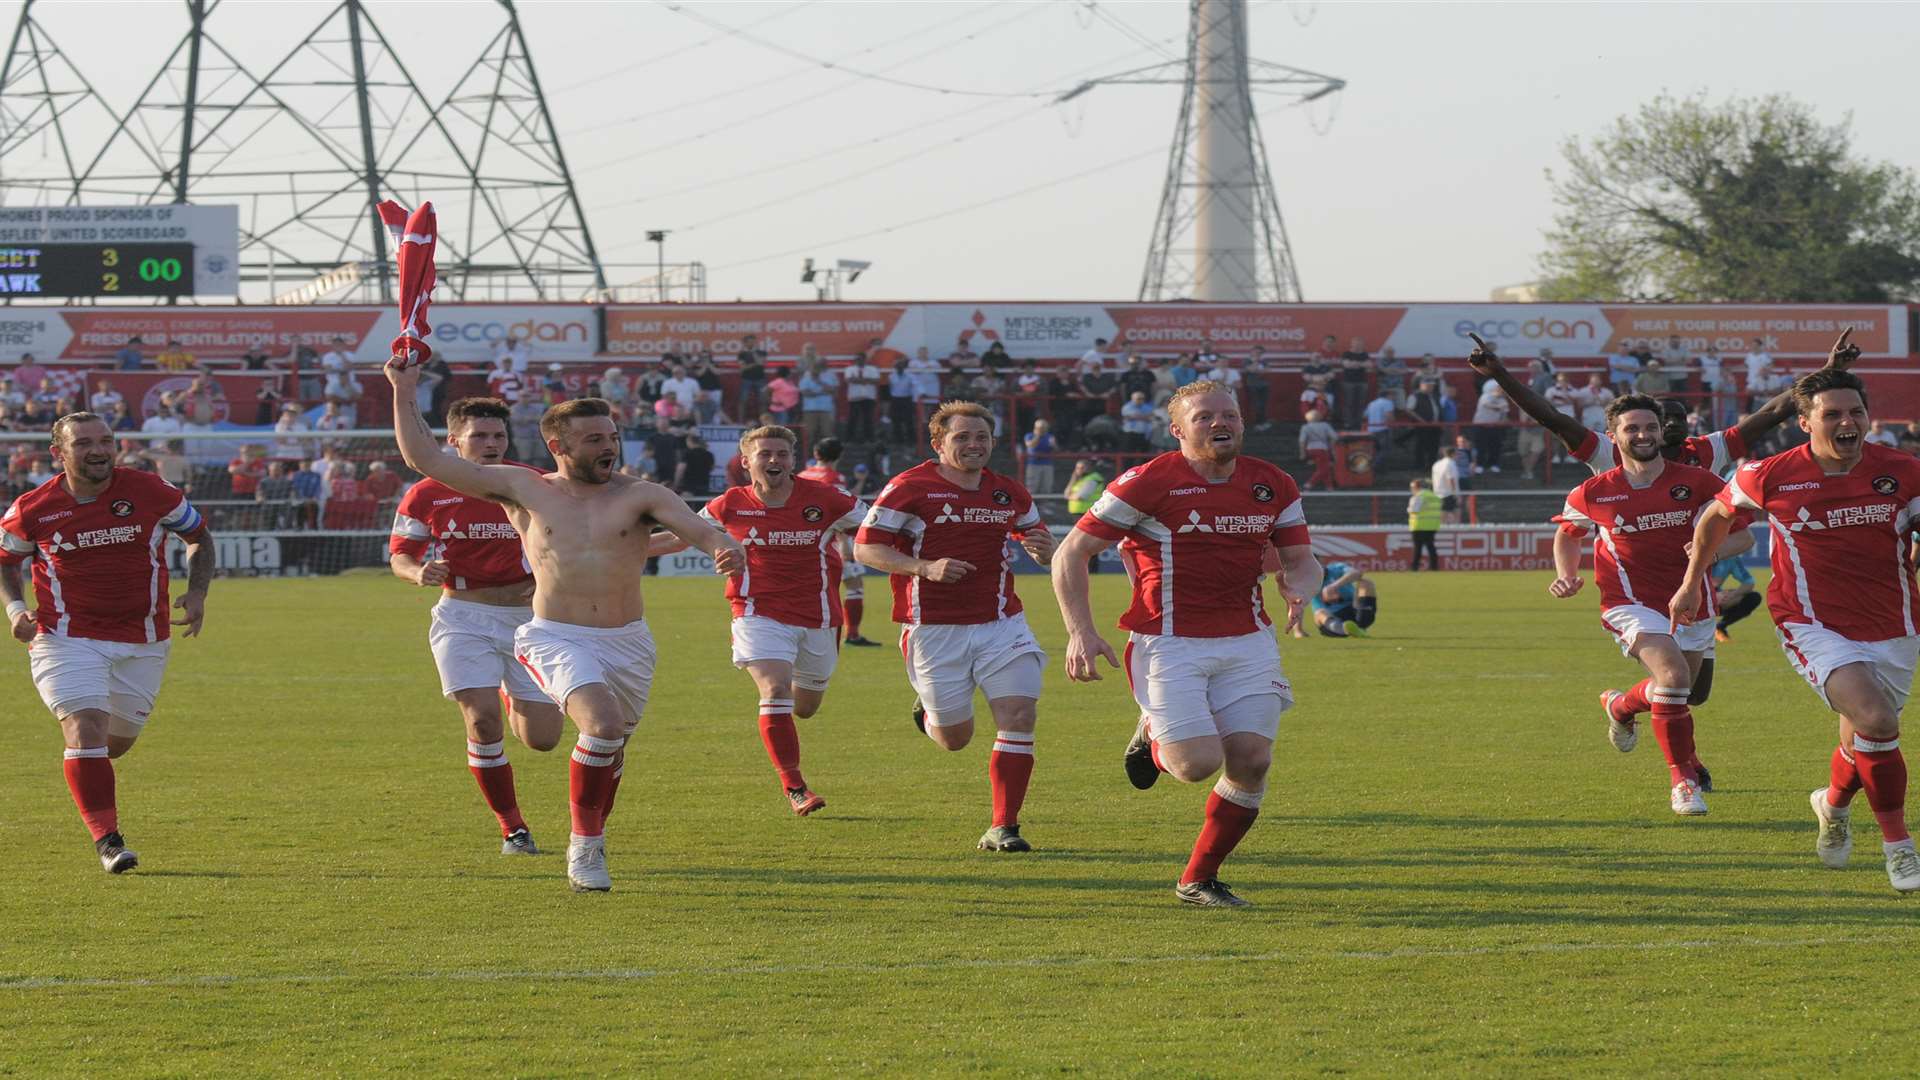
{"x": 1219, "y": 234}
{"x": 307, "y": 145}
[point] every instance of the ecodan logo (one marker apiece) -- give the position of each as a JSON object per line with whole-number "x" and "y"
{"x": 537, "y": 331}
{"x": 1537, "y": 328}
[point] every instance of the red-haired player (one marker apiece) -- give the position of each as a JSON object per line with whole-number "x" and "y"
{"x": 98, "y": 633}
{"x": 941, "y": 529}
{"x": 1194, "y": 526}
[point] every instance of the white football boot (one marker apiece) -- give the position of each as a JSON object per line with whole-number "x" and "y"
{"x": 1834, "y": 844}
{"x": 1903, "y": 865}
{"x": 587, "y": 864}
{"x": 1687, "y": 800}
{"x": 1624, "y": 737}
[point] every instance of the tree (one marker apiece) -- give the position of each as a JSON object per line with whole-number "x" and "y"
{"x": 1752, "y": 200}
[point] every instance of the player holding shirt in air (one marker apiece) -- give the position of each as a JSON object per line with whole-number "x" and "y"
{"x": 786, "y": 608}
{"x": 97, "y": 636}
{"x": 826, "y": 469}
{"x": 1642, "y": 515}
{"x": 1842, "y": 597}
{"x": 1715, "y": 452}
{"x": 1194, "y": 526}
{"x": 585, "y": 530}
{"x": 1345, "y": 604}
{"x": 467, "y": 548}
{"x": 941, "y": 529}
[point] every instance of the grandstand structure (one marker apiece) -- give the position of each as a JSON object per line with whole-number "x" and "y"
{"x": 306, "y": 140}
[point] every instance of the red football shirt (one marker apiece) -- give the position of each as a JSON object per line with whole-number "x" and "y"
{"x": 480, "y": 545}
{"x": 793, "y": 565}
{"x": 98, "y": 570}
{"x": 826, "y": 474}
{"x": 1641, "y": 534}
{"x": 1194, "y": 547}
{"x": 1839, "y": 542}
{"x": 1713, "y": 452}
{"x": 930, "y": 517}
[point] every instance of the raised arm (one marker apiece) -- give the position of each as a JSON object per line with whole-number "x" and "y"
{"x": 1572, "y": 433}
{"x": 1779, "y": 408}
{"x": 1071, "y": 588}
{"x": 506, "y": 484}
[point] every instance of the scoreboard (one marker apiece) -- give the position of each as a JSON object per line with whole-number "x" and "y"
{"x": 96, "y": 270}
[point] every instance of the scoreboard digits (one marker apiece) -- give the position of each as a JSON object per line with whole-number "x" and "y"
{"x": 96, "y": 270}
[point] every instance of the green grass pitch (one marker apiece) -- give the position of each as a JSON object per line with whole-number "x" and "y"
{"x": 1455, "y": 873}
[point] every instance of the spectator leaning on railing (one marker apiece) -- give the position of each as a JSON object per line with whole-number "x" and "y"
{"x": 1356, "y": 364}
{"x": 1317, "y": 441}
{"x": 1040, "y": 449}
{"x": 753, "y": 378}
{"x": 863, "y": 398}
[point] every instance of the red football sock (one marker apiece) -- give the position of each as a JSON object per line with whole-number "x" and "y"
{"x": 1154, "y": 747}
{"x": 1228, "y": 819}
{"x": 1883, "y": 774}
{"x": 613, "y": 787}
{"x": 1843, "y": 777}
{"x": 590, "y": 780}
{"x": 1635, "y": 701}
{"x": 854, "y": 607}
{"x": 90, "y": 779}
{"x": 1673, "y": 728}
{"x": 782, "y": 741}
{"x": 1009, "y": 768}
{"x": 488, "y": 764}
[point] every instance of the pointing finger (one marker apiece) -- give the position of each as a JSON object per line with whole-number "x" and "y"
{"x": 1476, "y": 339}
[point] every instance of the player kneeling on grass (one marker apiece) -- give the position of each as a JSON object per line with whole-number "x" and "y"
{"x": 786, "y": 603}
{"x": 1194, "y": 526}
{"x": 468, "y": 549}
{"x": 586, "y": 532}
{"x": 941, "y": 530}
{"x": 1641, "y": 514}
{"x": 1843, "y": 599}
{"x": 97, "y": 636}
{"x": 1345, "y": 604}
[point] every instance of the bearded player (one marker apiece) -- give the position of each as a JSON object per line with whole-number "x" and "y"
{"x": 98, "y": 633}
{"x": 585, "y": 531}
{"x": 467, "y": 548}
{"x": 1842, "y": 597}
{"x": 1194, "y": 526}
{"x": 1641, "y": 515}
{"x": 786, "y": 606}
{"x": 1599, "y": 453}
{"x": 826, "y": 469}
{"x": 941, "y": 529}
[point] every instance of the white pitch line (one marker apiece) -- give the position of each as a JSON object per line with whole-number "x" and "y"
{"x": 649, "y": 974}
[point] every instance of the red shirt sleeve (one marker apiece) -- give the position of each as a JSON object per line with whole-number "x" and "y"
{"x": 411, "y": 534}
{"x": 893, "y": 515}
{"x": 15, "y": 545}
{"x": 1290, "y": 527}
{"x": 1124, "y": 504}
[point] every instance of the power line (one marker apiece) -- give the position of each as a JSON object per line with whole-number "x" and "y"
{"x": 707, "y": 133}
{"x": 875, "y": 76}
{"x": 681, "y": 50}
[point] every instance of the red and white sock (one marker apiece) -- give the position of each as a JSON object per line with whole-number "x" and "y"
{"x": 1843, "y": 778}
{"x": 1009, "y": 768}
{"x": 90, "y": 779}
{"x": 1230, "y": 813}
{"x": 488, "y": 764}
{"x": 1673, "y": 727}
{"x": 1636, "y": 700}
{"x": 1883, "y": 775}
{"x": 782, "y": 740}
{"x": 855, "y": 607}
{"x": 590, "y": 779}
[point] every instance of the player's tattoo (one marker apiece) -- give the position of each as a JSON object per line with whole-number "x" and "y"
{"x": 200, "y": 562}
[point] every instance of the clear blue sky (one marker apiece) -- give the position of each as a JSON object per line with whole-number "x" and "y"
{"x": 1425, "y": 180}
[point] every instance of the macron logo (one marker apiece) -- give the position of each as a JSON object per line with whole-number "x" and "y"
{"x": 1193, "y": 524}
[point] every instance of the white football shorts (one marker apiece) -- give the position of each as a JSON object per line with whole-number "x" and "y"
{"x": 812, "y": 650}
{"x": 947, "y": 663}
{"x": 120, "y": 678}
{"x": 1628, "y": 621}
{"x": 1815, "y": 652}
{"x": 1186, "y": 686}
{"x": 564, "y": 657}
{"x": 473, "y": 648}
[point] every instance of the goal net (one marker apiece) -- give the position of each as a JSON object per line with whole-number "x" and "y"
{"x": 280, "y": 503}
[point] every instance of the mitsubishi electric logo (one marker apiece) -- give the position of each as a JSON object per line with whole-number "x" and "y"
{"x": 1806, "y": 522}
{"x": 1193, "y": 523}
{"x": 753, "y": 538}
{"x": 946, "y": 514}
{"x": 58, "y": 543}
